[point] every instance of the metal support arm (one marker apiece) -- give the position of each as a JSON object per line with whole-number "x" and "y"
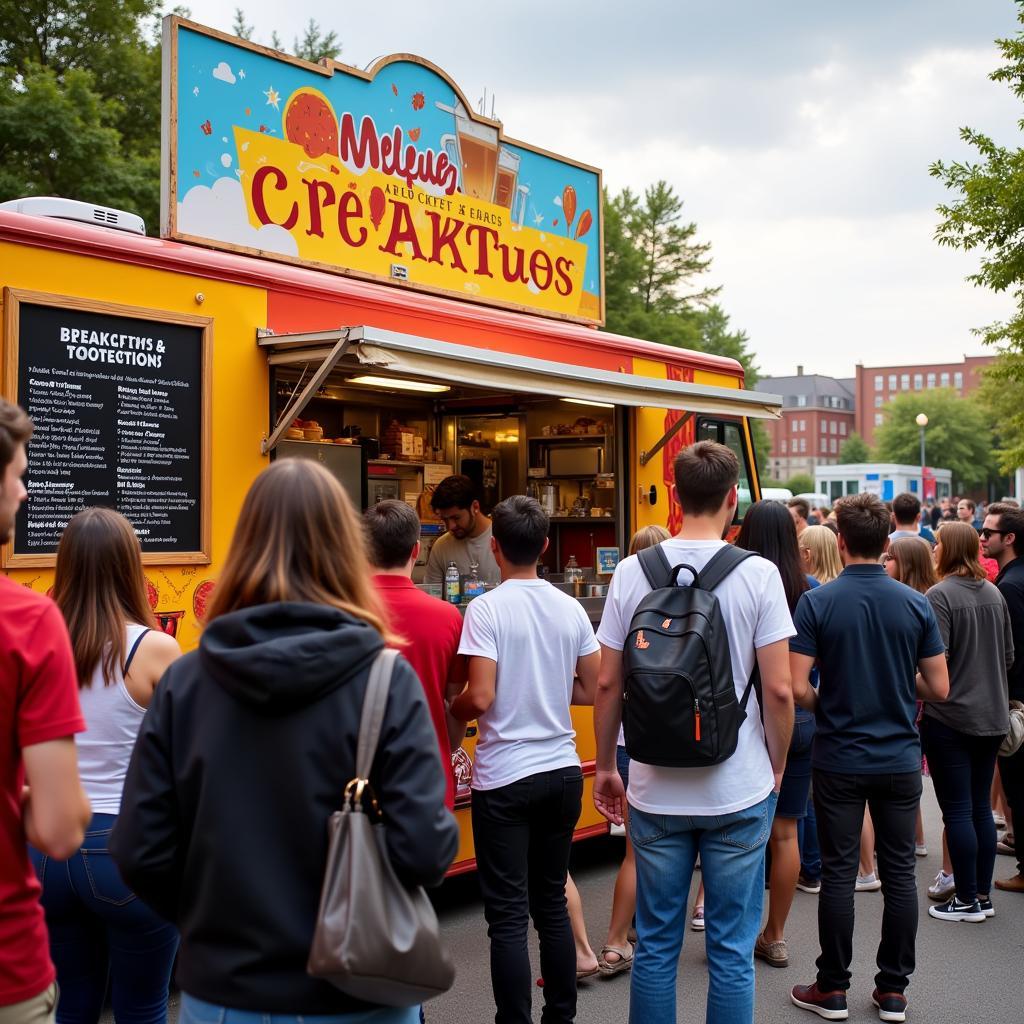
{"x": 646, "y": 457}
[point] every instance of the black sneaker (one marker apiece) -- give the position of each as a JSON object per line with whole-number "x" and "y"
{"x": 811, "y": 885}
{"x": 954, "y": 910}
{"x": 891, "y": 1005}
{"x": 830, "y": 1005}
{"x": 986, "y": 906}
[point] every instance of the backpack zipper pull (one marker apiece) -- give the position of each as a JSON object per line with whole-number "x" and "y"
{"x": 696, "y": 720}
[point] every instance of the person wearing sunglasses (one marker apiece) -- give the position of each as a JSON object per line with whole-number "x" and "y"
{"x": 1002, "y": 538}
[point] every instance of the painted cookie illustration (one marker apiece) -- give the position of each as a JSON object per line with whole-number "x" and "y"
{"x": 309, "y": 122}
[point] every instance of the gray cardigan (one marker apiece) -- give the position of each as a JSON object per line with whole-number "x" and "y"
{"x": 975, "y": 627}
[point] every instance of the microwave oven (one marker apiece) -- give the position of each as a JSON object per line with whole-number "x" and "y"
{"x": 572, "y": 460}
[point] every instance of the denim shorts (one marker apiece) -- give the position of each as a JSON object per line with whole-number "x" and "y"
{"x": 622, "y": 763}
{"x": 796, "y": 780}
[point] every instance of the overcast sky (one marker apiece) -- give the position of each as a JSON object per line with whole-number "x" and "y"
{"x": 799, "y": 134}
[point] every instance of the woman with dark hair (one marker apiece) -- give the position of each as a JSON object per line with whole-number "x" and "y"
{"x": 100, "y": 931}
{"x": 247, "y": 749}
{"x": 768, "y": 529}
{"x": 961, "y": 736}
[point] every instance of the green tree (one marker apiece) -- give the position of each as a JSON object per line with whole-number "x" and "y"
{"x": 958, "y": 435}
{"x": 988, "y": 216}
{"x": 801, "y": 483}
{"x": 855, "y": 449}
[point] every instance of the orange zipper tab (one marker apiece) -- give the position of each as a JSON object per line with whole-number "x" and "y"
{"x": 696, "y": 720}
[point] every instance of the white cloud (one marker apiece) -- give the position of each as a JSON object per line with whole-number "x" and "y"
{"x": 223, "y": 73}
{"x": 219, "y": 213}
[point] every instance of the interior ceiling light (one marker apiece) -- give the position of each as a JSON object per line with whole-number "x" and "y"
{"x": 583, "y": 401}
{"x": 398, "y": 384}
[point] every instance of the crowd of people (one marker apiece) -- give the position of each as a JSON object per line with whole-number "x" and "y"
{"x": 162, "y": 808}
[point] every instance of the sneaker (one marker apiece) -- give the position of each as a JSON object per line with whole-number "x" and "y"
{"x": 868, "y": 883}
{"x": 697, "y": 921}
{"x": 891, "y": 1005}
{"x": 811, "y": 885}
{"x": 986, "y": 906}
{"x": 920, "y": 850}
{"x": 954, "y": 910}
{"x": 829, "y": 1005}
{"x": 942, "y": 888}
{"x": 774, "y": 953}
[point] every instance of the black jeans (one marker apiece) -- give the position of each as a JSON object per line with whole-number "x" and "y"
{"x": 961, "y": 767}
{"x": 839, "y": 807}
{"x": 1011, "y": 772}
{"x": 523, "y": 833}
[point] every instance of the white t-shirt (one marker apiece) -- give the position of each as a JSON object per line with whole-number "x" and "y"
{"x": 536, "y": 634}
{"x": 756, "y": 614}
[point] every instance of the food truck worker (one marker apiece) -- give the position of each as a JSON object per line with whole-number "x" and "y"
{"x": 468, "y": 540}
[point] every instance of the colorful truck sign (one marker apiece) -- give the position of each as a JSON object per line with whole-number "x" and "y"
{"x": 385, "y": 174}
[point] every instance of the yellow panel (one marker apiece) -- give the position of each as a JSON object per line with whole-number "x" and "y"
{"x": 240, "y": 384}
{"x": 649, "y": 427}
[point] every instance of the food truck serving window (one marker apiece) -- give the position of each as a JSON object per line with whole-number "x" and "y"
{"x": 731, "y": 435}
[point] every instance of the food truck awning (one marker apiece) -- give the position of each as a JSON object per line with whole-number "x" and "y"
{"x": 428, "y": 359}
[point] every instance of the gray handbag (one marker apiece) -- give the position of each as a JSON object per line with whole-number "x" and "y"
{"x": 376, "y": 939}
{"x": 1015, "y": 735}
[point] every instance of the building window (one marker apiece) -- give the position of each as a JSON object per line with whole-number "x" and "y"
{"x": 784, "y": 446}
{"x": 879, "y": 401}
{"x": 945, "y": 380}
{"x": 905, "y": 381}
{"x": 879, "y": 382}
{"x": 958, "y": 381}
{"x": 824, "y": 426}
{"x": 833, "y": 446}
{"x": 842, "y": 429}
{"x": 918, "y": 381}
{"x": 824, "y": 446}
{"x": 879, "y": 419}
{"x": 803, "y": 444}
{"x": 892, "y": 381}
{"x": 801, "y": 400}
{"x": 931, "y": 380}
{"x": 833, "y": 427}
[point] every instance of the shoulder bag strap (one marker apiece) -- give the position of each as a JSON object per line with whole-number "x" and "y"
{"x": 656, "y": 566}
{"x": 131, "y": 654}
{"x": 374, "y": 702}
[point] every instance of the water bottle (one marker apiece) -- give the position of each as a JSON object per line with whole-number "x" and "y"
{"x": 452, "y": 588}
{"x": 474, "y": 586}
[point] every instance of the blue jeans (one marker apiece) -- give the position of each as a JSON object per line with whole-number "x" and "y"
{"x": 810, "y": 852}
{"x": 731, "y": 848}
{"x": 195, "y": 1011}
{"x": 100, "y": 930}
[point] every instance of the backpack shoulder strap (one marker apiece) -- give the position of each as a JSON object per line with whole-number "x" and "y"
{"x": 656, "y": 566}
{"x": 722, "y": 563}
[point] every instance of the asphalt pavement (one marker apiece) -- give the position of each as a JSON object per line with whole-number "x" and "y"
{"x": 966, "y": 973}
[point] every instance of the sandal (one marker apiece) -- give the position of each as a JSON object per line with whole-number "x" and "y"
{"x": 624, "y": 963}
{"x": 580, "y": 975}
{"x": 697, "y": 921}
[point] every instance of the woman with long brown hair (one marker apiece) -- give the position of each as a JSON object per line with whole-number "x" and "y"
{"x": 961, "y": 736}
{"x": 99, "y": 930}
{"x": 909, "y": 560}
{"x": 249, "y": 745}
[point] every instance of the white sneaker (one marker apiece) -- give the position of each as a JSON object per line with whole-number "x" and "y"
{"x": 868, "y": 883}
{"x": 942, "y": 888}
{"x": 920, "y": 850}
{"x": 999, "y": 820}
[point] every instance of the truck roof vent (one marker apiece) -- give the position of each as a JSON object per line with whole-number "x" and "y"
{"x": 72, "y": 209}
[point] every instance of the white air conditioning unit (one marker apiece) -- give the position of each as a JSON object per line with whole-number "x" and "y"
{"x": 72, "y": 209}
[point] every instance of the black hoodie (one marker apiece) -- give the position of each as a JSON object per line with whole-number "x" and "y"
{"x": 241, "y": 759}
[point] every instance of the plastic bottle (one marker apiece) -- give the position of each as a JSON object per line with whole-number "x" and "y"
{"x": 452, "y": 584}
{"x": 474, "y": 586}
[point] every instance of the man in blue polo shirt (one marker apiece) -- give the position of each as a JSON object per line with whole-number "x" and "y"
{"x": 870, "y": 636}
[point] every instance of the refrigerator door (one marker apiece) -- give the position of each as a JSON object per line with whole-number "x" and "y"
{"x": 347, "y": 463}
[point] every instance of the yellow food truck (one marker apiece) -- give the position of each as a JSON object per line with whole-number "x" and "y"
{"x": 353, "y": 267}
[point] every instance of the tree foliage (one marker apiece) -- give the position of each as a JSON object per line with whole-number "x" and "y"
{"x": 958, "y": 435}
{"x": 855, "y": 449}
{"x": 988, "y": 216}
{"x": 801, "y": 483}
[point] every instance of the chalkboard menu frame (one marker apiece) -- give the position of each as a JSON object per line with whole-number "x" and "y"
{"x": 14, "y": 298}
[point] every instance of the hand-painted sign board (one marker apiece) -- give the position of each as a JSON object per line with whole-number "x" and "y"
{"x": 385, "y": 174}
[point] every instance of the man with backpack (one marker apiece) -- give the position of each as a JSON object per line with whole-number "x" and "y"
{"x": 678, "y": 656}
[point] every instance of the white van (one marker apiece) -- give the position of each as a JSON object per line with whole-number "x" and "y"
{"x": 776, "y": 494}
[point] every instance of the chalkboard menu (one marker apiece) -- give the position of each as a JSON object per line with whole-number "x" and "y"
{"x": 119, "y": 406}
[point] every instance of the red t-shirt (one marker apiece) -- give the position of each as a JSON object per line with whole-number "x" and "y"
{"x": 38, "y": 703}
{"x": 431, "y": 629}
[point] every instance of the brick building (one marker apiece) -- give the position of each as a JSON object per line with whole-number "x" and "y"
{"x": 817, "y": 417}
{"x": 874, "y": 386}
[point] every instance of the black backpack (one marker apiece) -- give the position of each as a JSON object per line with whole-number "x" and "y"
{"x": 679, "y": 705}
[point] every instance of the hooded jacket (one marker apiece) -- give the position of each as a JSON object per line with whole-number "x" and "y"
{"x": 241, "y": 759}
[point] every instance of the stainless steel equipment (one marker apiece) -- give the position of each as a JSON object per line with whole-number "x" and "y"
{"x": 549, "y": 498}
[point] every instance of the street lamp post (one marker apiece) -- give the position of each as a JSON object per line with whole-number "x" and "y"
{"x": 922, "y": 422}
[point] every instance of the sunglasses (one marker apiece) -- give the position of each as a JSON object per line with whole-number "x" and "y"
{"x": 986, "y": 533}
